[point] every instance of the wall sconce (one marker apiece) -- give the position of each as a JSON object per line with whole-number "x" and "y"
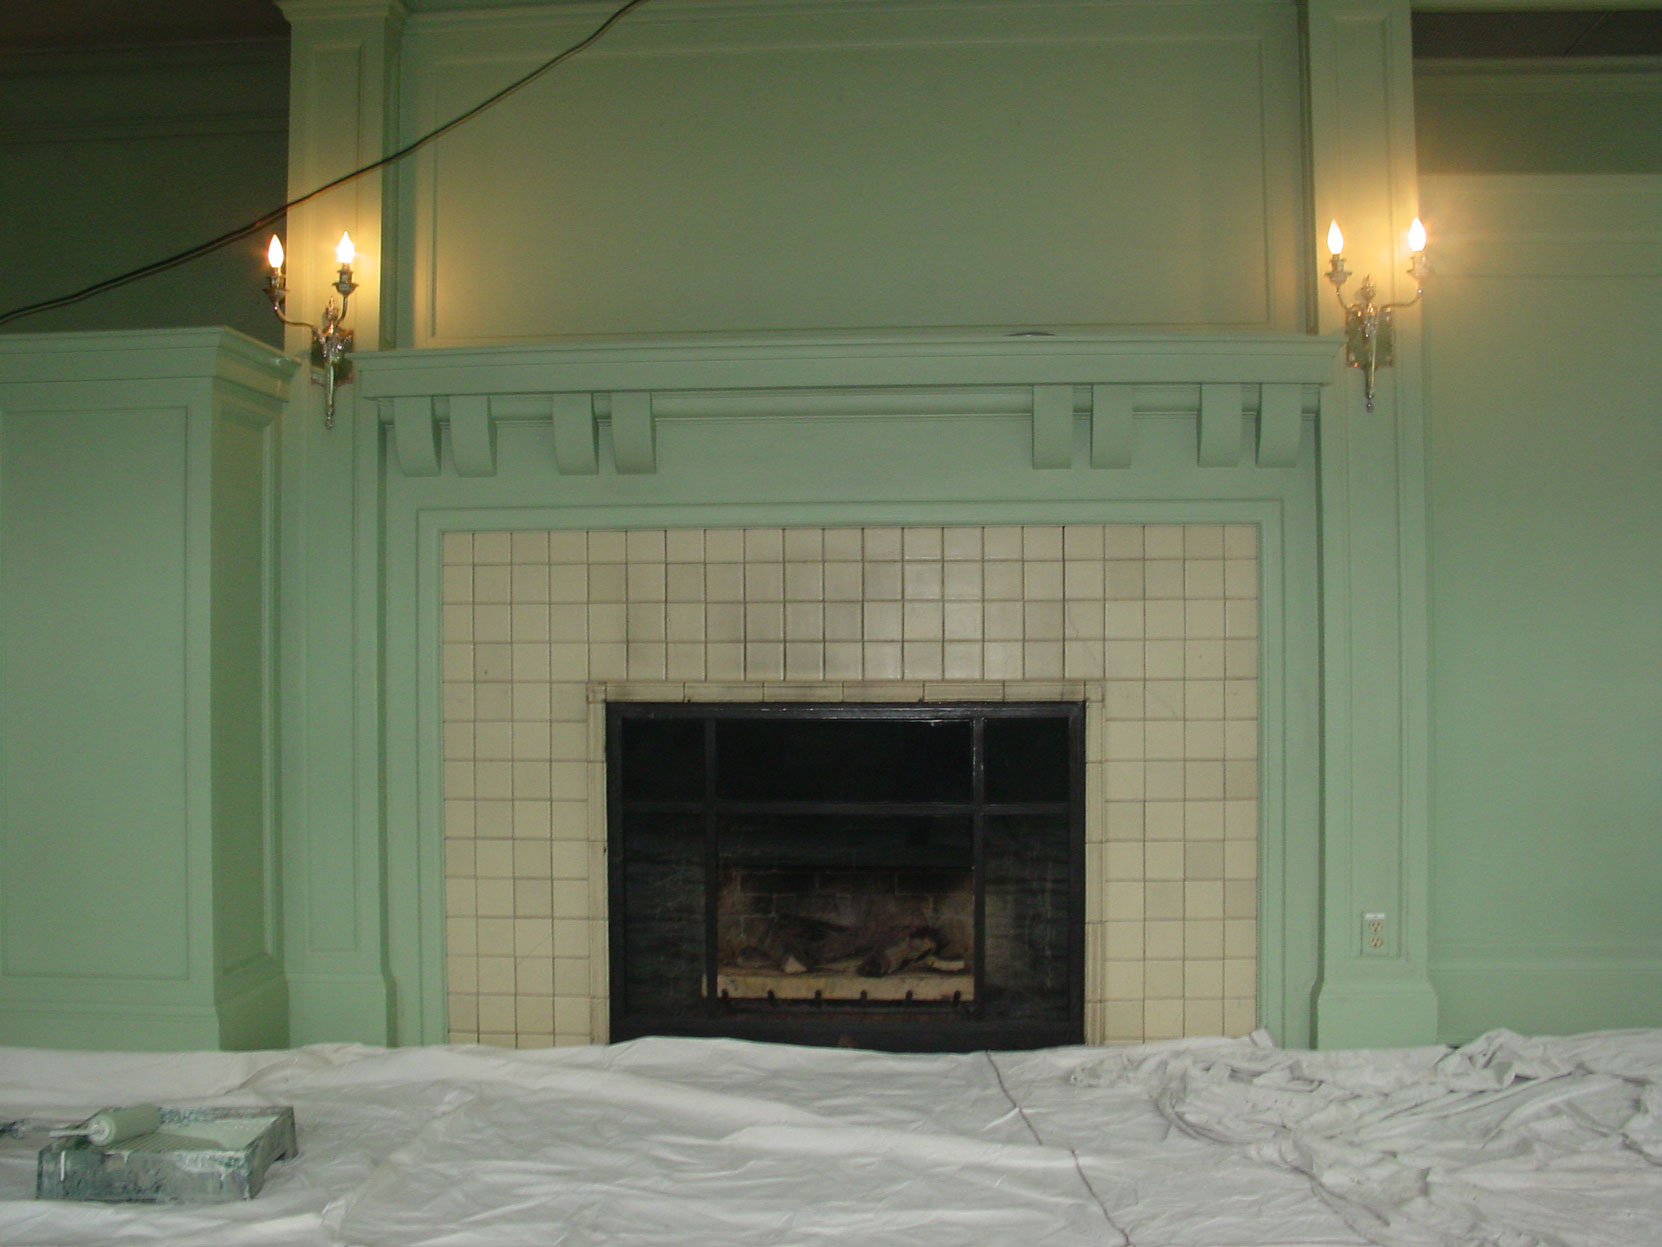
{"x": 331, "y": 343}
{"x": 1370, "y": 339}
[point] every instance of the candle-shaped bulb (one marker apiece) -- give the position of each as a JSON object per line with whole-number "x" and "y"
{"x": 1416, "y": 237}
{"x": 274, "y": 254}
{"x": 345, "y": 252}
{"x": 1335, "y": 239}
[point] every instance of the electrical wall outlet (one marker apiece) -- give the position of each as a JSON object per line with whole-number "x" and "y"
{"x": 1373, "y": 935}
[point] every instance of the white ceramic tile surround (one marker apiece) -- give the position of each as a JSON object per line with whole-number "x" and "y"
{"x": 1154, "y": 626}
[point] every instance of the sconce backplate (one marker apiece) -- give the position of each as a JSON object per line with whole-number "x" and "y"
{"x": 1368, "y": 346}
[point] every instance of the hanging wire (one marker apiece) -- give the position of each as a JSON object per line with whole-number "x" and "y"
{"x": 267, "y": 219}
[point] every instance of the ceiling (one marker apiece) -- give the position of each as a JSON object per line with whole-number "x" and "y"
{"x": 41, "y": 25}
{"x": 1538, "y": 33}
{"x": 57, "y": 25}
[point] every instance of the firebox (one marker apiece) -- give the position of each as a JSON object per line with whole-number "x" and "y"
{"x": 906, "y": 877}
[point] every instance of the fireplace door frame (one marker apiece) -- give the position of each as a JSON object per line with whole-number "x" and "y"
{"x": 964, "y": 1026}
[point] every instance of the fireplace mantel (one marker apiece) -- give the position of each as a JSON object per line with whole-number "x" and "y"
{"x": 952, "y": 428}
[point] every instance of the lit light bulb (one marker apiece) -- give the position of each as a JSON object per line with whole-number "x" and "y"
{"x": 1416, "y": 237}
{"x": 345, "y": 252}
{"x": 274, "y": 253}
{"x": 1335, "y": 239}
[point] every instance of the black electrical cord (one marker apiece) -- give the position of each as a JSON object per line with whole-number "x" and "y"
{"x": 266, "y": 219}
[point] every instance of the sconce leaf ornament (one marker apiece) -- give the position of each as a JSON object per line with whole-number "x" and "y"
{"x": 331, "y": 341}
{"x": 1370, "y": 335}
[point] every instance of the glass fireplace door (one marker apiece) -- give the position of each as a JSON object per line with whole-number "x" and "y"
{"x": 893, "y": 876}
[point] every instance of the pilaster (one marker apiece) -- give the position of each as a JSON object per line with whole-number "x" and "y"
{"x": 1373, "y": 547}
{"x": 343, "y": 89}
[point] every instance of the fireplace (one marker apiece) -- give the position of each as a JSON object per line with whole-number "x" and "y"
{"x": 898, "y": 876}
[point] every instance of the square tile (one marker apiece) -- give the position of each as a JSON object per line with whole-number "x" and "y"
{"x": 764, "y": 545}
{"x": 684, "y": 545}
{"x": 724, "y": 545}
{"x": 843, "y": 544}
{"x": 882, "y": 544}
{"x": 804, "y": 544}
{"x": 961, "y": 543}
{"x": 1001, "y": 543}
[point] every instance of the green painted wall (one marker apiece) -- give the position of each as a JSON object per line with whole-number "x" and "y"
{"x": 92, "y": 590}
{"x": 1545, "y": 453}
{"x": 1570, "y": 116}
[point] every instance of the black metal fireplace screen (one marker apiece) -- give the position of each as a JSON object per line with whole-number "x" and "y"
{"x": 891, "y": 876}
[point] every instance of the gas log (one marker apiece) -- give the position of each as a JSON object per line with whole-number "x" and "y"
{"x": 797, "y": 944}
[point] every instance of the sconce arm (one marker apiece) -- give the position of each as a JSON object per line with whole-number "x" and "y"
{"x": 292, "y": 324}
{"x": 1391, "y": 307}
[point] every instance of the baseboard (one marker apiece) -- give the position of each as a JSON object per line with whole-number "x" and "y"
{"x": 1389, "y": 1013}
{"x": 1547, "y": 996}
{"x": 109, "y": 1026}
{"x": 339, "y": 1008}
{"x": 255, "y": 1014}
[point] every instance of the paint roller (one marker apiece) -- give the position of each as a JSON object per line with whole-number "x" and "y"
{"x": 116, "y": 1125}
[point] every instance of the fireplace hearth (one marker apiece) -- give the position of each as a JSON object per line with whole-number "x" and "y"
{"x": 895, "y": 876}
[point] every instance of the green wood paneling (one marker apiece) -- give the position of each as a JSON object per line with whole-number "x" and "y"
{"x": 240, "y": 611}
{"x": 727, "y": 168}
{"x": 136, "y": 855}
{"x": 1374, "y": 728}
{"x": 93, "y": 826}
{"x": 1546, "y": 519}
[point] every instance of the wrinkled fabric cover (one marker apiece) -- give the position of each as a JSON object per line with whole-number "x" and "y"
{"x": 1508, "y": 1141}
{"x": 1194, "y": 1143}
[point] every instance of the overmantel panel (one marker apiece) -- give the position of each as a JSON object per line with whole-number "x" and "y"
{"x": 767, "y": 167}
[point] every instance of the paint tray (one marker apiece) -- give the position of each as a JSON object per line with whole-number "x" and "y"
{"x": 198, "y": 1156}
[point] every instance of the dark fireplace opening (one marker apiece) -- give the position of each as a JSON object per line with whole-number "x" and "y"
{"x": 893, "y": 876}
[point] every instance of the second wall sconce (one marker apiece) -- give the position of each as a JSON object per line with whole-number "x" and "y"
{"x": 331, "y": 342}
{"x": 1370, "y": 338}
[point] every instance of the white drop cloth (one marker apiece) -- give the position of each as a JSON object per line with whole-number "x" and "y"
{"x": 700, "y": 1143}
{"x": 1506, "y": 1142}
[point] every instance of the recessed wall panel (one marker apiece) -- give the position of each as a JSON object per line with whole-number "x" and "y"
{"x": 238, "y": 692}
{"x": 92, "y": 694}
{"x": 750, "y": 169}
